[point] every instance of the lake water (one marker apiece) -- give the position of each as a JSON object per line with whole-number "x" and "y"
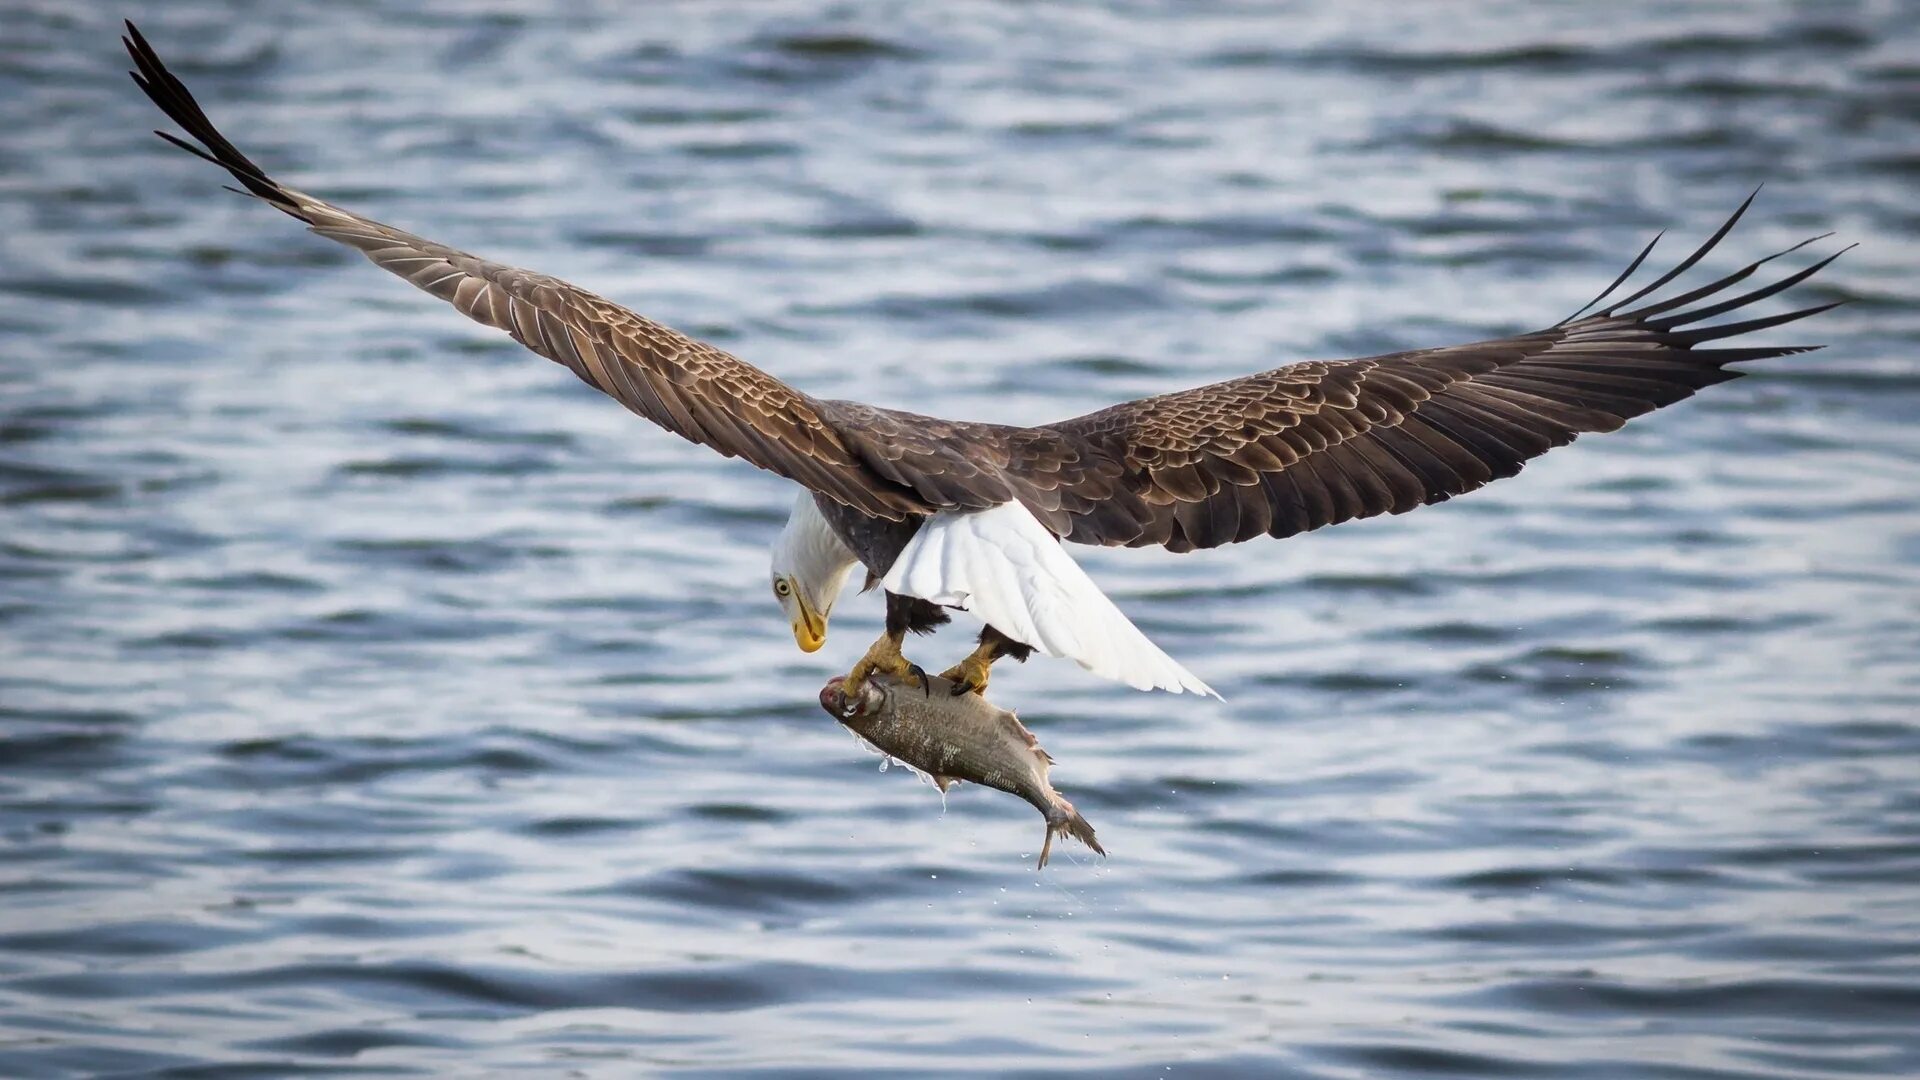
{"x": 375, "y": 699}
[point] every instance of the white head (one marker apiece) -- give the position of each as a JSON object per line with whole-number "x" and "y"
{"x": 810, "y": 567}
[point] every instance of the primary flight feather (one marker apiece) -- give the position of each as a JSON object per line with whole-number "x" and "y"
{"x": 959, "y": 514}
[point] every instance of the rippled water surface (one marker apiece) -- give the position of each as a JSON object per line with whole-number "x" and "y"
{"x": 375, "y": 699}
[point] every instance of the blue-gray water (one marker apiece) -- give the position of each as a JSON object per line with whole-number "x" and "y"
{"x": 377, "y": 700}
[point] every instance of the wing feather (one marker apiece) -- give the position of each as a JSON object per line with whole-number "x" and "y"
{"x": 690, "y": 388}
{"x": 1274, "y": 453}
{"x": 1335, "y": 440}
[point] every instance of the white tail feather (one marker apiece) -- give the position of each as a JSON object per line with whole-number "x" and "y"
{"x": 1002, "y": 565}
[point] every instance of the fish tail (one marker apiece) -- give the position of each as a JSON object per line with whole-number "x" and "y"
{"x": 1064, "y": 820}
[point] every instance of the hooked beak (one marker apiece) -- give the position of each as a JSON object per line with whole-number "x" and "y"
{"x": 810, "y": 628}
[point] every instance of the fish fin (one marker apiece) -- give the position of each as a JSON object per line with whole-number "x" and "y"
{"x": 1064, "y": 820}
{"x": 1026, "y": 735}
{"x": 1033, "y": 743}
{"x": 942, "y": 782}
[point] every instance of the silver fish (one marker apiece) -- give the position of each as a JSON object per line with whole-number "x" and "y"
{"x": 953, "y": 738}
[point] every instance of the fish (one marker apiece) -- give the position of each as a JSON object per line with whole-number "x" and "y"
{"x": 953, "y": 738}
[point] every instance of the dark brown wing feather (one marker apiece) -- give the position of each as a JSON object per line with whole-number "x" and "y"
{"x": 1318, "y": 443}
{"x": 1271, "y": 454}
{"x": 690, "y": 388}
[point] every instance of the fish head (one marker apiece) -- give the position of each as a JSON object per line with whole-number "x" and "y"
{"x": 830, "y": 694}
{"x": 833, "y": 698}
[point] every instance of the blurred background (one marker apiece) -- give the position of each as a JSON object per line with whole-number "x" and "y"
{"x": 375, "y": 699}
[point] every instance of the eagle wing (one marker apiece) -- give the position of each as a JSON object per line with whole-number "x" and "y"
{"x": 1270, "y": 454}
{"x": 1317, "y": 443}
{"x": 688, "y": 387}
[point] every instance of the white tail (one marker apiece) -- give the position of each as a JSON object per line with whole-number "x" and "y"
{"x": 1002, "y": 565}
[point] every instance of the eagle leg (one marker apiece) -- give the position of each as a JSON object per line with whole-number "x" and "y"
{"x": 883, "y": 657}
{"x": 971, "y": 674}
{"x": 904, "y": 613}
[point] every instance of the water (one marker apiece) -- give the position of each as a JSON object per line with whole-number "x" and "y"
{"x": 378, "y": 700}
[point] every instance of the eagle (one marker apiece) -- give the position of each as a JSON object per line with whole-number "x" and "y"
{"x": 972, "y": 516}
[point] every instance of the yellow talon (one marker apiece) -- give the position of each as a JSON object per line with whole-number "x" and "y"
{"x": 883, "y": 657}
{"x": 971, "y": 673}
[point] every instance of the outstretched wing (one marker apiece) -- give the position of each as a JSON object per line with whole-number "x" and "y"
{"x": 1318, "y": 443}
{"x": 690, "y": 388}
{"x": 1273, "y": 454}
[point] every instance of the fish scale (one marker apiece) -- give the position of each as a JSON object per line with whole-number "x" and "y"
{"x": 952, "y": 738}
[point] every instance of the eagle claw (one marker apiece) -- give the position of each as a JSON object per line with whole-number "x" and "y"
{"x": 969, "y": 675}
{"x": 884, "y": 658}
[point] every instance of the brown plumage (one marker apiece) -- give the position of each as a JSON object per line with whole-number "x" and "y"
{"x": 1271, "y": 454}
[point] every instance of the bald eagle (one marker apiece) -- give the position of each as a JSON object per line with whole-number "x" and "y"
{"x": 950, "y": 514}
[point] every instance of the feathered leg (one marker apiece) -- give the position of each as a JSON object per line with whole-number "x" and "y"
{"x": 904, "y": 614}
{"x": 971, "y": 673}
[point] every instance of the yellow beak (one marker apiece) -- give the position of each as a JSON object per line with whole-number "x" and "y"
{"x": 809, "y": 630}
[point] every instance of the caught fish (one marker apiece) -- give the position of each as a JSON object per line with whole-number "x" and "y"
{"x": 953, "y": 738}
